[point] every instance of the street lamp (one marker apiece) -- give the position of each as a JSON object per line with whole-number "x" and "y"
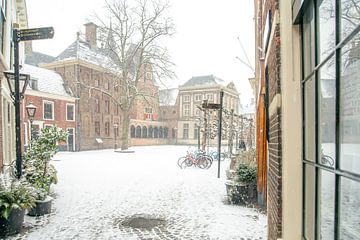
{"x": 20, "y": 81}
{"x": 31, "y": 110}
{"x": 116, "y": 126}
{"x": 19, "y": 35}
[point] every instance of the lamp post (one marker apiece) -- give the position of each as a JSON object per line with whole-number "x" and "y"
{"x": 31, "y": 110}
{"x": 116, "y": 126}
{"x": 198, "y": 122}
{"x": 17, "y": 96}
{"x": 18, "y": 36}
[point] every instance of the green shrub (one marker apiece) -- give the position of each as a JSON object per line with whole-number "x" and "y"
{"x": 246, "y": 173}
{"x": 37, "y": 169}
{"x": 14, "y": 195}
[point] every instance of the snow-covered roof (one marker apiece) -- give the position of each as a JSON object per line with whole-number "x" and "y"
{"x": 328, "y": 88}
{"x": 37, "y": 58}
{"x": 81, "y": 50}
{"x": 47, "y": 80}
{"x": 168, "y": 96}
{"x": 207, "y": 80}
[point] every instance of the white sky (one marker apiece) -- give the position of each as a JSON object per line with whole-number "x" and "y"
{"x": 205, "y": 41}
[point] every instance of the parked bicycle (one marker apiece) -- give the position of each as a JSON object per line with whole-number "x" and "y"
{"x": 197, "y": 158}
{"x": 223, "y": 155}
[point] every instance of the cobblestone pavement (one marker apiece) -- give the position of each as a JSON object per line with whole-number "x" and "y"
{"x": 102, "y": 194}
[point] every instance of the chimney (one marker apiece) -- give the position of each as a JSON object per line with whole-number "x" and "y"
{"x": 90, "y": 34}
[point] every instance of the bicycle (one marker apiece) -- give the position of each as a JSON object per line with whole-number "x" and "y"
{"x": 327, "y": 160}
{"x": 196, "y": 158}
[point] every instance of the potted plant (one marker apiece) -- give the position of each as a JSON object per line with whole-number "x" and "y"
{"x": 15, "y": 198}
{"x": 37, "y": 168}
{"x": 241, "y": 184}
{"x": 242, "y": 190}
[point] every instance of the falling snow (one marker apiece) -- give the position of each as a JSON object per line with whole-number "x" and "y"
{"x": 99, "y": 190}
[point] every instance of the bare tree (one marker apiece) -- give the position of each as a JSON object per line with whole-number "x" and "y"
{"x": 131, "y": 35}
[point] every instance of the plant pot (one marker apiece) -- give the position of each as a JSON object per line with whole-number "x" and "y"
{"x": 13, "y": 224}
{"x": 42, "y": 207}
{"x": 241, "y": 193}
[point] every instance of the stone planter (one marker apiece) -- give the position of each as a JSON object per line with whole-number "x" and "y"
{"x": 13, "y": 224}
{"x": 41, "y": 207}
{"x": 241, "y": 193}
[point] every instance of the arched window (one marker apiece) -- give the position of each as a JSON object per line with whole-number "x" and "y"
{"x": 166, "y": 132}
{"x": 144, "y": 132}
{"x": 138, "y": 132}
{"x": 156, "y": 132}
{"x": 151, "y": 132}
{"x": 161, "y": 133}
{"x": 132, "y": 131}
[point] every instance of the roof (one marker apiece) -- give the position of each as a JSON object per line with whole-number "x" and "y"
{"x": 207, "y": 80}
{"x": 36, "y": 58}
{"x": 48, "y": 80}
{"x": 81, "y": 50}
{"x": 168, "y": 96}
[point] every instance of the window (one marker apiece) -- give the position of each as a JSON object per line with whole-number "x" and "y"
{"x": 107, "y": 106}
{"x": 107, "y": 128}
{"x": 97, "y": 81}
{"x": 330, "y": 93}
{"x": 148, "y": 113}
{"x": 48, "y": 108}
{"x": 198, "y": 97}
{"x": 186, "y": 131}
{"x": 70, "y": 109}
{"x": 97, "y": 128}
{"x": 197, "y": 112}
{"x": 186, "y": 109}
{"x": 132, "y": 131}
{"x": 186, "y": 98}
{"x": 107, "y": 85}
{"x": 33, "y": 83}
{"x": 209, "y": 96}
{"x": 97, "y": 105}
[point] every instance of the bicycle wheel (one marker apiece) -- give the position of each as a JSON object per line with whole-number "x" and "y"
{"x": 209, "y": 159}
{"x": 180, "y": 161}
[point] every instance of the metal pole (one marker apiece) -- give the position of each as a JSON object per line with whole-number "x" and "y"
{"x": 17, "y": 104}
{"x": 31, "y": 136}
{"x": 115, "y": 144}
{"x": 220, "y": 126}
{"x": 198, "y": 133}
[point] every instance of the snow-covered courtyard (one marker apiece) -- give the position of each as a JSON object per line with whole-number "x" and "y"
{"x": 99, "y": 191}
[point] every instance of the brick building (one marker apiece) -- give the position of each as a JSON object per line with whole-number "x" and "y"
{"x": 89, "y": 76}
{"x": 12, "y": 14}
{"x": 307, "y": 72}
{"x": 55, "y": 107}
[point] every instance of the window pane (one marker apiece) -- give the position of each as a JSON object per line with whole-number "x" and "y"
{"x": 350, "y": 16}
{"x": 326, "y": 24}
{"x": 70, "y": 112}
{"x": 309, "y": 40}
{"x": 349, "y": 209}
{"x": 327, "y": 113}
{"x": 48, "y": 111}
{"x": 309, "y": 202}
{"x": 350, "y": 107}
{"x": 327, "y": 204}
{"x": 309, "y": 115}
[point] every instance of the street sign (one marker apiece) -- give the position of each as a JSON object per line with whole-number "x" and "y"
{"x": 211, "y": 105}
{"x": 35, "y": 33}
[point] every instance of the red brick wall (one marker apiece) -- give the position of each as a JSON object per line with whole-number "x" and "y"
{"x": 273, "y": 65}
{"x": 1, "y": 131}
{"x": 59, "y": 113}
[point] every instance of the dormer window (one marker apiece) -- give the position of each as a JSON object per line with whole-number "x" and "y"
{"x": 33, "y": 83}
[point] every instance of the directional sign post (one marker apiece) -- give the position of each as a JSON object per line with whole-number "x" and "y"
{"x": 217, "y": 106}
{"x": 34, "y": 33}
{"x": 18, "y": 36}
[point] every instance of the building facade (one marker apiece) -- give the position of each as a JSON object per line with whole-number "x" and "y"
{"x": 12, "y": 14}
{"x": 55, "y": 107}
{"x": 191, "y": 95}
{"x": 308, "y": 77}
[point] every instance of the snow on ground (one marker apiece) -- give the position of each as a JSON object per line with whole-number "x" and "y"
{"x": 97, "y": 190}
